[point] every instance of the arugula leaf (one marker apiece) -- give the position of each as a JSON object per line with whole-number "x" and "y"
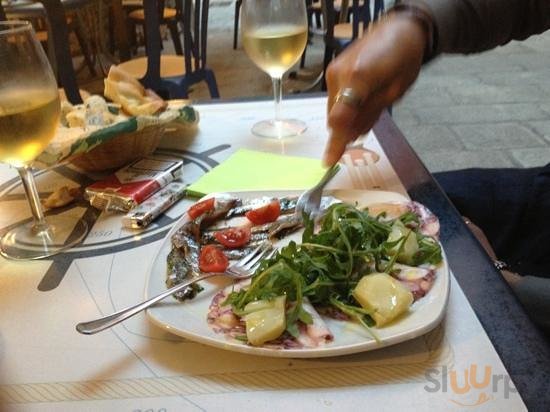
{"x": 329, "y": 263}
{"x": 428, "y": 251}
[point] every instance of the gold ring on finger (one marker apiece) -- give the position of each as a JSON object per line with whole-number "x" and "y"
{"x": 349, "y": 97}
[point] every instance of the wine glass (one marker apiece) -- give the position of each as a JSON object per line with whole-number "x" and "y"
{"x": 29, "y": 115}
{"x": 274, "y": 36}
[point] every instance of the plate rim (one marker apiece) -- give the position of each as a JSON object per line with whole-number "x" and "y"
{"x": 320, "y": 352}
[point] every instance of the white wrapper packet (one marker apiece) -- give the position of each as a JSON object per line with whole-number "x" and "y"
{"x": 150, "y": 209}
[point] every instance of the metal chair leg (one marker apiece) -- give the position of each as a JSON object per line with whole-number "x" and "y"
{"x": 83, "y": 46}
{"x": 60, "y": 37}
{"x": 303, "y": 59}
{"x": 378, "y": 8}
{"x": 173, "y": 27}
{"x": 212, "y": 84}
{"x": 236, "y": 23}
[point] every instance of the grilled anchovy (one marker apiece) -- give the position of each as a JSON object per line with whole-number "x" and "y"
{"x": 285, "y": 226}
{"x": 183, "y": 260}
{"x": 178, "y": 270}
{"x": 235, "y": 254}
{"x": 274, "y": 230}
{"x": 209, "y": 237}
{"x": 220, "y": 211}
{"x": 288, "y": 204}
{"x": 186, "y": 240}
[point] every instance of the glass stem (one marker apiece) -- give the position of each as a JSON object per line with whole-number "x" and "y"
{"x": 278, "y": 95}
{"x": 34, "y": 200}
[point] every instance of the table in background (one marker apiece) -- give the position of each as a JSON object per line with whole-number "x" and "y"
{"x": 135, "y": 365}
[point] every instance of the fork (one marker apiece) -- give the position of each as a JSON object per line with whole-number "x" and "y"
{"x": 242, "y": 269}
{"x": 309, "y": 202}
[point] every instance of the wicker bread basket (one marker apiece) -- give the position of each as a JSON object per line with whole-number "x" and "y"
{"x": 121, "y": 150}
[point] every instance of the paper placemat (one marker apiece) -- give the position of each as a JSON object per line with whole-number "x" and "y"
{"x": 47, "y": 365}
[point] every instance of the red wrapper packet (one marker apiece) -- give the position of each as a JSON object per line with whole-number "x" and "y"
{"x": 134, "y": 183}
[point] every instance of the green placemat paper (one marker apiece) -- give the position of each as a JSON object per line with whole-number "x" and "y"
{"x": 253, "y": 170}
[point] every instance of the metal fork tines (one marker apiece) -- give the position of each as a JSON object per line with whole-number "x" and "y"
{"x": 246, "y": 266}
{"x": 242, "y": 269}
{"x": 310, "y": 201}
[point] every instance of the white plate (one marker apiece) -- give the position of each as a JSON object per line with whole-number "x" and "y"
{"x": 188, "y": 319}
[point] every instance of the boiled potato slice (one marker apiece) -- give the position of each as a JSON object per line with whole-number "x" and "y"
{"x": 384, "y": 296}
{"x": 266, "y": 323}
{"x": 399, "y": 231}
{"x": 258, "y": 305}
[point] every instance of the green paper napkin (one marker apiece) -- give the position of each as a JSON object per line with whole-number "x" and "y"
{"x": 252, "y": 170}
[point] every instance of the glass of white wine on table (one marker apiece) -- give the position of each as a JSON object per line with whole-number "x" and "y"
{"x": 29, "y": 115}
{"x": 274, "y": 36}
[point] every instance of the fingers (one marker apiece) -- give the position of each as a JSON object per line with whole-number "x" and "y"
{"x": 379, "y": 68}
{"x": 346, "y": 123}
{"x": 334, "y": 150}
{"x": 344, "y": 72}
{"x": 346, "y": 119}
{"x": 341, "y": 116}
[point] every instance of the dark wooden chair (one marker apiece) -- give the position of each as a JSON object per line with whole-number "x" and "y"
{"x": 339, "y": 32}
{"x": 238, "y": 5}
{"x": 314, "y": 11}
{"x": 74, "y": 25}
{"x": 364, "y": 17}
{"x": 65, "y": 70}
{"x": 171, "y": 76}
{"x": 171, "y": 17}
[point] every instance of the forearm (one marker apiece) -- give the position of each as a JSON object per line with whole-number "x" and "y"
{"x": 470, "y": 26}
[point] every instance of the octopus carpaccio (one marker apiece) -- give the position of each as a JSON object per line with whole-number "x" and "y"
{"x": 194, "y": 234}
{"x": 222, "y": 320}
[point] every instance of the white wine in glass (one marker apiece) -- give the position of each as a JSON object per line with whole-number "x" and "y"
{"x": 29, "y": 116}
{"x": 274, "y": 36}
{"x": 28, "y": 119}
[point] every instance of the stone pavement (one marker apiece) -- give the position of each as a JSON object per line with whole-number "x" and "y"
{"x": 485, "y": 110}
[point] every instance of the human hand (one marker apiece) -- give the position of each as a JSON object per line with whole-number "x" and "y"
{"x": 379, "y": 68}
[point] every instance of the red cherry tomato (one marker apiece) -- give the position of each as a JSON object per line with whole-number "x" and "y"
{"x": 233, "y": 237}
{"x": 200, "y": 208}
{"x": 265, "y": 214}
{"x": 212, "y": 259}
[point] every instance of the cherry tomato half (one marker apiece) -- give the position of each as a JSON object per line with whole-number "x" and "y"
{"x": 212, "y": 259}
{"x": 233, "y": 237}
{"x": 200, "y": 208}
{"x": 265, "y": 214}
